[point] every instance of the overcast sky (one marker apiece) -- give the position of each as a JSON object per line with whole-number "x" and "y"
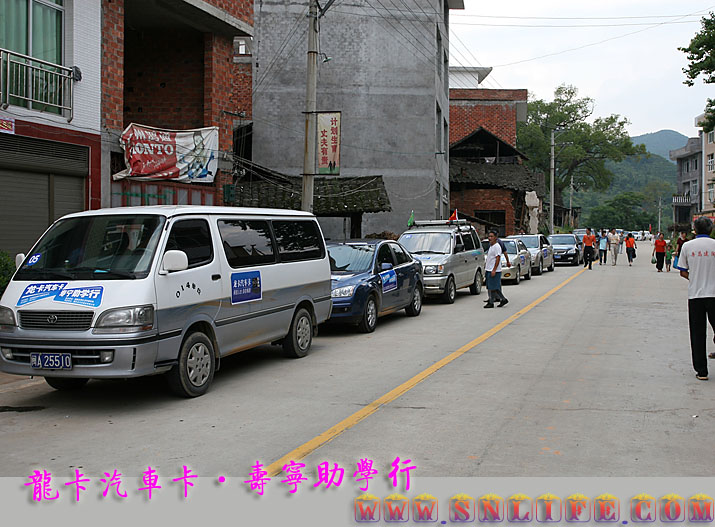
{"x": 638, "y": 76}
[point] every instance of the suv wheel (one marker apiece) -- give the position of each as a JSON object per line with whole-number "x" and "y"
{"x": 476, "y": 287}
{"x": 450, "y": 291}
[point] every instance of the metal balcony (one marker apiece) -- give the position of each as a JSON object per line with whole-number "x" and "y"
{"x": 681, "y": 199}
{"x": 36, "y": 84}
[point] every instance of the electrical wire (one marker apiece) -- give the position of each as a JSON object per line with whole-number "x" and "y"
{"x": 552, "y": 26}
{"x": 697, "y": 13}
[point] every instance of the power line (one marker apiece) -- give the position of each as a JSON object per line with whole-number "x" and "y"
{"x": 697, "y": 13}
{"x": 484, "y": 24}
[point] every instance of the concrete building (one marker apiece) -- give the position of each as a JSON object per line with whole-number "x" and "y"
{"x": 687, "y": 202}
{"x": 176, "y": 65}
{"x": 386, "y": 70}
{"x": 708, "y": 163}
{"x": 50, "y": 95}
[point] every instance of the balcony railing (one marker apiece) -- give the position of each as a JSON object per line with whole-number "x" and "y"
{"x": 36, "y": 84}
{"x": 685, "y": 199}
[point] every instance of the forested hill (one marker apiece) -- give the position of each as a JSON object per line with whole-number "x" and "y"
{"x": 662, "y": 142}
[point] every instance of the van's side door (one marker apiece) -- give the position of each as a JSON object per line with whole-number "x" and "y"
{"x": 192, "y": 294}
{"x": 248, "y": 257}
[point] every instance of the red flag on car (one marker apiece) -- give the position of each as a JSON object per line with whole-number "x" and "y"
{"x": 453, "y": 216}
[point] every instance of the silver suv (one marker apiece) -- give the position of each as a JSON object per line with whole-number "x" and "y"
{"x": 451, "y": 256}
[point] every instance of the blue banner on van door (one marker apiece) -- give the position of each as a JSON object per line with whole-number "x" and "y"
{"x": 35, "y": 292}
{"x": 246, "y": 287}
{"x": 389, "y": 280}
{"x": 81, "y": 296}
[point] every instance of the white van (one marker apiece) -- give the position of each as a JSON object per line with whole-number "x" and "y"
{"x": 127, "y": 292}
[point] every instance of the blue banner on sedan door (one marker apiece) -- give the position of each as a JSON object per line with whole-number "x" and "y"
{"x": 546, "y": 253}
{"x": 35, "y": 292}
{"x": 246, "y": 287}
{"x": 389, "y": 280}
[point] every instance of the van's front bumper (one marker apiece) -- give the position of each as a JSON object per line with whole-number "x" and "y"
{"x": 435, "y": 284}
{"x": 133, "y": 355}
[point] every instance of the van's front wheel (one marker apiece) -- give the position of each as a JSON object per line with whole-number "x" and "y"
{"x": 66, "y": 383}
{"x": 192, "y": 376}
{"x": 297, "y": 343}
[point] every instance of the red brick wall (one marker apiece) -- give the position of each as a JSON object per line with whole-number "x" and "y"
{"x": 471, "y": 200}
{"x": 241, "y": 9}
{"x": 164, "y": 79}
{"x": 494, "y": 110}
{"x": 112, "y": 64}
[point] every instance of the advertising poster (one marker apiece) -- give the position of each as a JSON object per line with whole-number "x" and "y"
{"x": 329, "y": 143}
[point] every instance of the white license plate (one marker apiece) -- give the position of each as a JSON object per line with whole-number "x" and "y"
{"x": 51, "y": 361}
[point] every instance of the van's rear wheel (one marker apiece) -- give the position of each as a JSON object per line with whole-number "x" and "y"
{"x": 297, "y": 343}
{"x": 192, "y": 376}
{"x": 66, "y": 383}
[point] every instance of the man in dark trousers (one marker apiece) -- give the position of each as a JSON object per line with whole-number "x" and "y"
{"x": 697, "y": 265}
{"x": 589, "y": 241}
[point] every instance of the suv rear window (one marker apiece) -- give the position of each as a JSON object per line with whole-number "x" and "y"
{"x": 298, "y": 240}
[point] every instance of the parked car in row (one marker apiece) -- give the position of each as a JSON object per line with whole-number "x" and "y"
{"x": 519, "y": 262}
{"x": 450, "y": 254}
{"x": 567, "y": 248}
{"x": 372, "y": 278}
{"x": 541, "y": 250}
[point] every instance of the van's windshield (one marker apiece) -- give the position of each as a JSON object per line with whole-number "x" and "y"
{"x": 103, "y": 247}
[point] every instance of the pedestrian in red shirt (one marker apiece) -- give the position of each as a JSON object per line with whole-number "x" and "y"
{"x": 588, "y": 242}
{"x": 659, "y": 252}
{"x": 630, "y": 248}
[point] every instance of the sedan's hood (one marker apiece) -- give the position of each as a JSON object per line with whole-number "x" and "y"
{"x": 343, "y": 280}
{"x": 564, "y": 246}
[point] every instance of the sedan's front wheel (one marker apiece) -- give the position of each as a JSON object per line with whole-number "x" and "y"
{"x": 369, "y": 316}
{"x": 415, "y": 307}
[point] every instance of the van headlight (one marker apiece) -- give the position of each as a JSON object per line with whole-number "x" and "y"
{"x": 7, "y": 317}
{"x": 434, "y": 269}
{"x": 343, "y": 292}
{"x": 125, "y": 320}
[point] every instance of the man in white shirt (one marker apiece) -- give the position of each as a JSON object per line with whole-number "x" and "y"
{"x": 697, "y": 265}
{"x": 614, "y": 243}
{"x": 493, "y": 269}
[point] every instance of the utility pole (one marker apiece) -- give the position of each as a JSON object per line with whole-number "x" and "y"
{"x": 552, "y": 173}
{"x": 311, "y": 107}
{"x": 571, "y": 218}
{"x": 660, "y": 208}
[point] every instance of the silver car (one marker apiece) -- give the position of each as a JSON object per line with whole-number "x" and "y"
{"x": 542, "y": 252}
{"x": 519, "y": 265}
{"x": 451, "y": 256}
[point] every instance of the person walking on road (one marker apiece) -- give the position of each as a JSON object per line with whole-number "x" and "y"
{"x": 589, "y": 241}
{"x": 659, "y": 252}
{"x": 614, "y": 241}
{"x": 668, "y": 257}
{"x": 602, "y": 248}
{"x": 678, "y": 244}
{"x": 697, "y": 265}
{"x": 493, "y": 269}
{"x": 631, "y": 248}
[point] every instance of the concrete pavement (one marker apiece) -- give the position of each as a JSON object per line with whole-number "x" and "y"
{"x": 594, "y": 380}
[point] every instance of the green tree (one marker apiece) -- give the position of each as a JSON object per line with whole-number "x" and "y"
{"x": 701, "y": 61}
{"x": 623, "y": 211}
{"x": 584, "y": 144}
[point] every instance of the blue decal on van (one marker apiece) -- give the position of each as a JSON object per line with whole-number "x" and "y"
{"x": 82, "y": 296}
{"x": 35, "y": 292}
{"x": 33, "y": 259}
{"x": 389, "y": 280}
{"x": 246, "y": 286}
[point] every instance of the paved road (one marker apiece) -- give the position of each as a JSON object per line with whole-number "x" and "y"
{"x": 593, "y": 379}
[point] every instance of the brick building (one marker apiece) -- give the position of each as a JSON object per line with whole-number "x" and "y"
{"x": 179, "y": 66}
{"x": 50, "y": 94}
{"x": 496, "y": 110}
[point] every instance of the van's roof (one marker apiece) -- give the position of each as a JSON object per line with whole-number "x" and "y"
{"x": 175, "y": 210}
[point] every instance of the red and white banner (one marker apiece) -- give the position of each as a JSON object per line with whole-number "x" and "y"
{"x": 186, "y": 155}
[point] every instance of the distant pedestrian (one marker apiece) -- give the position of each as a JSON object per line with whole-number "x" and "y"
{"x": 614, "y": 241}
{"x": 668, "y": 256}
{"x": 589, "y": 241}
{"x": 682, "y": 238}
{"x": 697, "y": 264}
{"x": 602, "y": 248}
{"x": 631, "y": 248}
{"x": 659, "y": 252}
{"x": 493, "y": 269}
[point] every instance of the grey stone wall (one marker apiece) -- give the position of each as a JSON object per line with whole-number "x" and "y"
{"x": 386, "y": 88}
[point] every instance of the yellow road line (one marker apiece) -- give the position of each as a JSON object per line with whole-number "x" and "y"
{"x": 331, "y": 433}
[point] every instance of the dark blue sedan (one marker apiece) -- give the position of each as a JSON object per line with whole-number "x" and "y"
{"x": 371, "y": 278}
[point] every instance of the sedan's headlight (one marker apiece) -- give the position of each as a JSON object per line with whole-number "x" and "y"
{"x": 434, "y": 269}
{"x": 571, "y": 251}
{"x": 126, "y": 320}
{"x": 343, "y": 292}
{"x": 7, "y": 317}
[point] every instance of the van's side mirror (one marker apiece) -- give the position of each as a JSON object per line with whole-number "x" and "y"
{"x": 19, "y": 258}
{"x": 459, "y": 248}
{"x": 174, "y": 261}
{"x": 385, "y": 266}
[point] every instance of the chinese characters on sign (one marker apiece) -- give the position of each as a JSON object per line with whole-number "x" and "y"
{"x": 329, "y": 143}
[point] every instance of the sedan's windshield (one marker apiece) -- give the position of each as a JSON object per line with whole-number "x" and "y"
{"x": 532, "y": 242}
{"x": 427, "y": 242}
{"x": 510, "y": 246}
{"x": 350, "y": 258}
{"x": 562, "y": 239}
{"x": 95, "y": 247}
